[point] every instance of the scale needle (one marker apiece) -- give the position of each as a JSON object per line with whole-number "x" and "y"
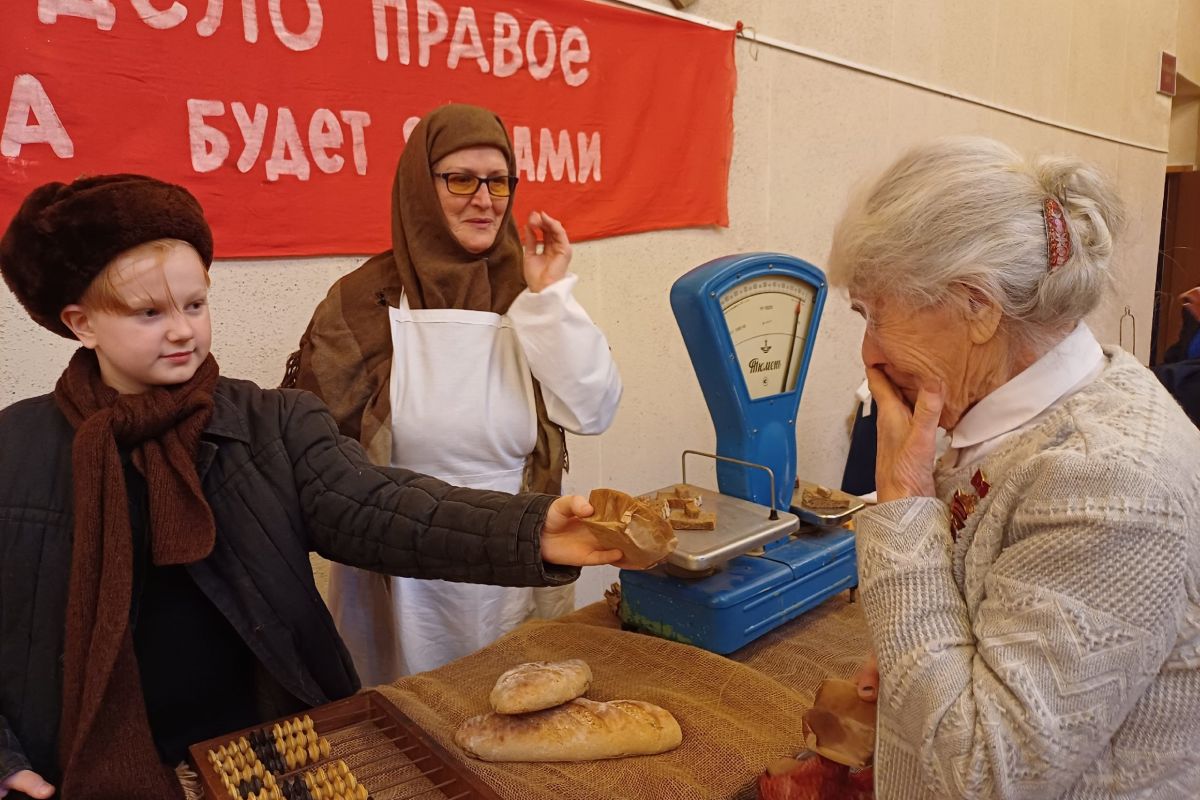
{"x": 791, "y": 347}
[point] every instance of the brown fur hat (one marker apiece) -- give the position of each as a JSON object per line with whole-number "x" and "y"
{"x": 64, "y": 235}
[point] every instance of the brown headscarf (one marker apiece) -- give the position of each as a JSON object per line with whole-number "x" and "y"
{"x": 434, "y": 269}
{"x": 105, "y": 745}
{"x": 345, "y": 356}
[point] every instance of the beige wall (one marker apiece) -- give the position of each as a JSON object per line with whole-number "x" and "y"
{"x": 1185, "y": 130}
{"x": 1184, "y": 144}
{"x": 1187, "y": 46}
{"x": 806, "y": 132}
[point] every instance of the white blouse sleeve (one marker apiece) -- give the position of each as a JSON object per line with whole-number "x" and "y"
{"x": 569, "y": 356}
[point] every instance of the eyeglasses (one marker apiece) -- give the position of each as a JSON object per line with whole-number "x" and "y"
{"x": 464, "y": 183}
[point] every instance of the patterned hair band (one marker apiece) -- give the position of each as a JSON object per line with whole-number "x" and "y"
{"x": 1058, "y": 237}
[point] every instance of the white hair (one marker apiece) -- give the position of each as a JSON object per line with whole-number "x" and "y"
{"x": 967, "y": 212}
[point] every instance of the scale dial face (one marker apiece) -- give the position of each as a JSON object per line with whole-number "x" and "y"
{"x": 768, "y": 319}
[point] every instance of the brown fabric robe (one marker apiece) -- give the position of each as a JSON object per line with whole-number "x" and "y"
{"x": 345, "y": 355}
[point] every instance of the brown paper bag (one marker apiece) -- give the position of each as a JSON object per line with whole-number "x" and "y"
{"x": 840, "y": 725}
{"x": 640, "y": 531}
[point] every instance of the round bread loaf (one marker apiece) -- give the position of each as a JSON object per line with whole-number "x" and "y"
{"x": 540, "y": 684}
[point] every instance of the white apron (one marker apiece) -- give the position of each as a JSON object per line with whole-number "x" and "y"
{"x": 462, "y": 411}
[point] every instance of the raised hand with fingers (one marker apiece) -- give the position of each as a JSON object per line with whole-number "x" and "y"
{"x": 1191, "y": 301}
{"x": 907, "y": 438}
{"x": 548, "y": 265}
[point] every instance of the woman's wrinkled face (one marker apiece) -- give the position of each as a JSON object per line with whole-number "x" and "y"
{"x": 473, "y": 219}
{"x": 919, "y": 347}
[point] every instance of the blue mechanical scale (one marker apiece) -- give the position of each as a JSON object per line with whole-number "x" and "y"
{"x": 748, "y": 322}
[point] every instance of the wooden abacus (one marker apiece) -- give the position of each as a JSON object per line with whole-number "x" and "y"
{"x": 360, "y": 748}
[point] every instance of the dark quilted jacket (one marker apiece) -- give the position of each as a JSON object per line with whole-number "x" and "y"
{"x": 281, "y": 482}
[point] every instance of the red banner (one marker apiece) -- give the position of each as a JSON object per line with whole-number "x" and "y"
{"x": 286, "y": 117}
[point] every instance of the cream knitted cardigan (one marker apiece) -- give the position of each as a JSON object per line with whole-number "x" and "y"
{"x": 1053, "y": 650}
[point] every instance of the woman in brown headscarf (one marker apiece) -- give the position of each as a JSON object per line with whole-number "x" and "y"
{"x": 461, "y": 354}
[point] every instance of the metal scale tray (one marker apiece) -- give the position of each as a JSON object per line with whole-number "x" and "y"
{"x": 712, "y": 594}
{"x": 741, "y": 526}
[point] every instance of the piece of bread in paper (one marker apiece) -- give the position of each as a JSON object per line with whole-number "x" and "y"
{"x": 841, "y": 725}
{"x": 642, "y": 532}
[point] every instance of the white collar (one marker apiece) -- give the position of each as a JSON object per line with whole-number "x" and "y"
{"x": 1068, "y": 365}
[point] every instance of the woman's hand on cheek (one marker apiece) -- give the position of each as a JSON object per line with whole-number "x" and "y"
{"x": 550, "y": 265}
{"x": 907, "y": 439}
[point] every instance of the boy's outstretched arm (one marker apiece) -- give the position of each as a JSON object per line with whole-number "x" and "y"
{"x": 403, "y": 523}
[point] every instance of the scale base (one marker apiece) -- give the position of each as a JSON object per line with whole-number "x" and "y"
{"x": 748, "y": 597}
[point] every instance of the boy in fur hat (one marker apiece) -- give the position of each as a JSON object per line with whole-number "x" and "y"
{"x": 156, "y": 518}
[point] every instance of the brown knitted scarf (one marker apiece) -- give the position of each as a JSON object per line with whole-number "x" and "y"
{"x": 105, "y": 744}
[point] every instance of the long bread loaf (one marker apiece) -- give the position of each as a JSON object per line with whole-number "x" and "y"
{"x": 580, "y": 730}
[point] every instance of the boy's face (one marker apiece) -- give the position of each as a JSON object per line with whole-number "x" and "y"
{"x": 164, "y": 335}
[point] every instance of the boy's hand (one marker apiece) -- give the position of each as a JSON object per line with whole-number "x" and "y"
{"x": 28, "y": 782}
{"x": 566, "y": 540}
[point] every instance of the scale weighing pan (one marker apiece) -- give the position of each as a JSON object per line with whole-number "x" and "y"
{"x": 740, "y": 526}
{"x": 825, "y": 517}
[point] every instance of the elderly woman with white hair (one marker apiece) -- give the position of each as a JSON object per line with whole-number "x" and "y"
{"x": 1033, "y": 596}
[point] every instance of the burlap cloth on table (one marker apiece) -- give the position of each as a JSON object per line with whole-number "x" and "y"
{"x": 737, "y": 713}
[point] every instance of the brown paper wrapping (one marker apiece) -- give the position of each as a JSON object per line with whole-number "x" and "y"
{"x": 637, "y": 529}
{"x": 840, "y": 725}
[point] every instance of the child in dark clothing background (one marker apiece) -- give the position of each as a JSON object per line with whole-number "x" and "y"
{"x": 156, "y": 518}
